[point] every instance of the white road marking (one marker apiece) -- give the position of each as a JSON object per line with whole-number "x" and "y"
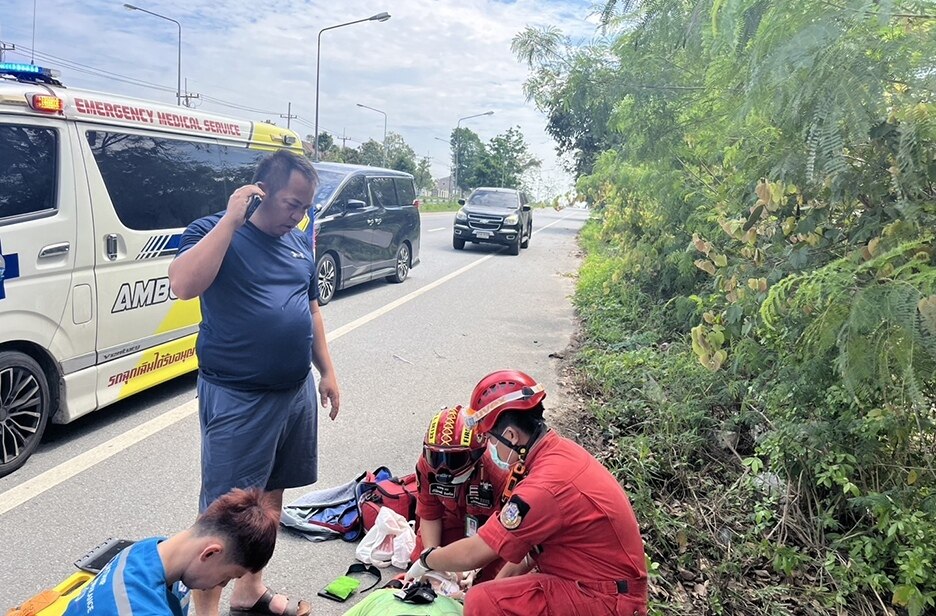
{"x": 439, "y": 229}
{"x": 31, "y": 488}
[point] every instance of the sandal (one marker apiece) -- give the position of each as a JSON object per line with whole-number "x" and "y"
{"x": 262, "y": 607}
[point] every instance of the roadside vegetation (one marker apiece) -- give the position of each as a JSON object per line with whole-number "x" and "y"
{"x": 759, "y": 293}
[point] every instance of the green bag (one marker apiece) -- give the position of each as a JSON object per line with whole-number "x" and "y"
{"x": 384, "y": 603}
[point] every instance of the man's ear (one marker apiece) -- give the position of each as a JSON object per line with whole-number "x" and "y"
{"x": 211, "y": 550}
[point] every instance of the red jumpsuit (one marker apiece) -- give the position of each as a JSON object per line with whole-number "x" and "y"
{"x": 463, "y": 508}
{"x": 571, "y": 515}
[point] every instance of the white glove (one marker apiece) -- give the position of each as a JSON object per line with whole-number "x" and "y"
{"x": 418, "y": 569}
{"x": 415, "y": 572}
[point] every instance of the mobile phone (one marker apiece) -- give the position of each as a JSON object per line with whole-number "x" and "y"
{"x": 252, "y": 206}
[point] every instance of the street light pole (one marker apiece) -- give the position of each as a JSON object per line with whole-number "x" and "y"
{"x": 457, "y": 126}
{"x": 131, "y": 7}
{"x": 318, "y": 61}
{"x": 384, "y": 130}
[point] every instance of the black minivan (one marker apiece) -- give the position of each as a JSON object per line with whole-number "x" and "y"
{"x": 366, "y": 226}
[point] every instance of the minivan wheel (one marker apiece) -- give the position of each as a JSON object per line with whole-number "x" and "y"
{"x": 326, "y": 276}
{"x": 25, "y": 405}
{"x": 402, "y": 264}
{"x": 526, "y": 242}
{"x": 458, "y": 243}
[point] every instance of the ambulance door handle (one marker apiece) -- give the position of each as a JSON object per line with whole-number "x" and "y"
{"x": 111, "y": 241}
{"x": 54, "y": 250}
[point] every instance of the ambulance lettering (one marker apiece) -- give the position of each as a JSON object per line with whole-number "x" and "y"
{"x": 149, "y": 293}
{"x": 158, "y": 361}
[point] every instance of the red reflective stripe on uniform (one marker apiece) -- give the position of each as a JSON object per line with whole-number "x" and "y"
{"x": 578, "y": 515}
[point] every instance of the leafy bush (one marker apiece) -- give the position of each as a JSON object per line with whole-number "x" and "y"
{"x": 759, "y": 295}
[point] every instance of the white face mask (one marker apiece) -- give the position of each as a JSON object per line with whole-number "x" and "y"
{"x": 495, "y": 457}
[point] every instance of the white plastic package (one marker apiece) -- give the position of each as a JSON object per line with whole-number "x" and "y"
{"x": 389, "y": 542}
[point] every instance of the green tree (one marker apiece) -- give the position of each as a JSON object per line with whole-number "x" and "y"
{"x": 467, "y": 155}
{"x": 371, "y": 153}
{"x": 764, "y": 172}
{"x": 505, "y": 160}
{"x": 575, "y": 87}
{"x": 423, "y": 175}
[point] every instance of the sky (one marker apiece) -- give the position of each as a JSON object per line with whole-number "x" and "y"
{"x": 433, "y": 62}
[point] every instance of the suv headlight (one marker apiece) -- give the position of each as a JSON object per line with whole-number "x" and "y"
{"x": 461, "y": 215}
{"x": 512, "y": 219}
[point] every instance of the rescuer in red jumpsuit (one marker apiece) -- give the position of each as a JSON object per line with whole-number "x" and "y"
{"x": 459, "y": 486}
{"x": 566, "y": 524}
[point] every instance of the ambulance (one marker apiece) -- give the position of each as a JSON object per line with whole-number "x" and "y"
{"x": 95, "y": 192}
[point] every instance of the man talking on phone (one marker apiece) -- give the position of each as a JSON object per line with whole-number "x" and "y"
{"x": 261, "y": 328}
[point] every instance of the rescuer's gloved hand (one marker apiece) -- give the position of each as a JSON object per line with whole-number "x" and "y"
{"x": 419, "y": 568}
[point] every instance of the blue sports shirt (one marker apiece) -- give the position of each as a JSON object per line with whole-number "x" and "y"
{"x": 256, "y": 329}
{"x": 133, "y": 583}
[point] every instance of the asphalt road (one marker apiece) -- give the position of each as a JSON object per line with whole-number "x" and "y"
{"x": 402, "y": 352}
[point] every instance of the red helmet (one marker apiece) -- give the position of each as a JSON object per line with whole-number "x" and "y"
{"x": 451, "y": 446}
{"x": 504, "y": 390}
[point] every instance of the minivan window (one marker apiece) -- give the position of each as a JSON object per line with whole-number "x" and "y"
{"x": 328, "y": 182}
{"x": 382, "y": 191}
{"x": 158, "y": 183}
{"x": 28, "y": 169}
{"x": 354, "y": 189}
{"x": 487, "y": 198}
{"x": 406, "y": 192}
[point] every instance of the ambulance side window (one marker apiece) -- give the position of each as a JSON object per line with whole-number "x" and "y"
{"x": 239, "y": 165}
{"x": 158, "y": 183}
{"x": 28, "y": 170}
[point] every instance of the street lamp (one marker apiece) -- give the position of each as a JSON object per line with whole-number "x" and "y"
{"x": 457, "y": 126}
{"x": 318, "y": 57}
{"x": 130, "y": 7}
{"x": 384, "y": 130}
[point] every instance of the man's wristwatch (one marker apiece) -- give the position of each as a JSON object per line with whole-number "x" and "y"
{"x": 424, "y": 555}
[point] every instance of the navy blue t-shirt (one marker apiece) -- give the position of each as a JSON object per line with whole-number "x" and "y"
{"x": 133, "y": 583}
{"x": 256, "y": 329}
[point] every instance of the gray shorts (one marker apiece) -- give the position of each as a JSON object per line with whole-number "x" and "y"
{"x": 266, "y": 439}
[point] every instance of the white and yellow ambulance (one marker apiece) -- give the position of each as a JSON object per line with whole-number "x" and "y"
{"x": 95, "y": 192}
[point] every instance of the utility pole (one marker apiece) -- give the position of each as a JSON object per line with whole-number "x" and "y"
{"x": 5, "y": 47}
{"x": 344, "y": 137}
{"x": 289, "y": 116}
{"x": 188, "y": 97}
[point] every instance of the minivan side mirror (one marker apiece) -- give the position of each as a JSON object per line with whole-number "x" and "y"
{"x": 355, "y": 204}
{"x": 527, "y": 207}
{"x": 461, "y": 202}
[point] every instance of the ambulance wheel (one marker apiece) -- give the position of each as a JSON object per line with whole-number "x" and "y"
{"x": 326, "y": 276}
{"x": 25, "y": 404}
{"x": 402, "y": 264}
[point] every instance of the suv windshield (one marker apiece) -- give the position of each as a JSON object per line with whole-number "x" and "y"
{"x": 494, "y": 199}
{"x": 328, "y": 182}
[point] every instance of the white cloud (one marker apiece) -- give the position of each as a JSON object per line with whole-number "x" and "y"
{"x": 433, "y": 62}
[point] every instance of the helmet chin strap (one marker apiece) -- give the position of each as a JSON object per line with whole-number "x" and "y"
{"x": 523, "y": 450}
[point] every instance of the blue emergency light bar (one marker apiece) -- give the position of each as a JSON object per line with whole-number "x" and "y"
{"x": 25, "y": 69}
{"x": 29, "y": 72}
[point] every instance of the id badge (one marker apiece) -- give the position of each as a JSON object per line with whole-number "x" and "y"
{"x": 471, "y": 526}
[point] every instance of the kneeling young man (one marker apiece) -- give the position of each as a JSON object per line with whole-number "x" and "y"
{"x": 564, "y": 515}
{"x": 459, "y": 486}
{"x": 235, "y": 535}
